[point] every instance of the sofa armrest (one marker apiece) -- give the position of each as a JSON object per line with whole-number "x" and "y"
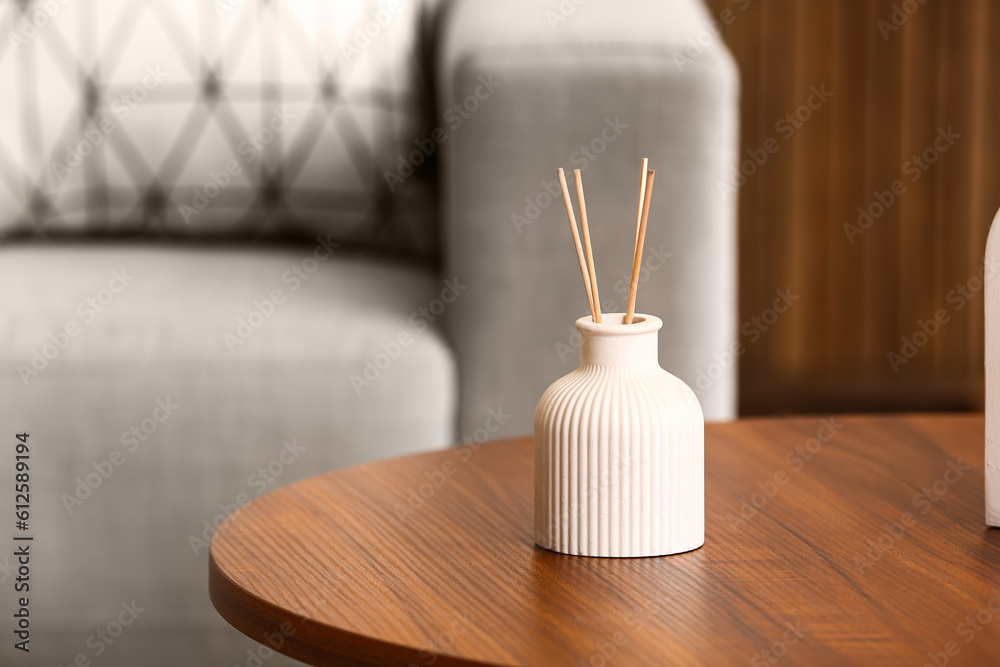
{"x": 595, "y": 89}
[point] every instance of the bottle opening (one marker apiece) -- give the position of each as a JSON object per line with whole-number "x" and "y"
{"x": 619, "y": 318}
{"x": 613, "y": 324}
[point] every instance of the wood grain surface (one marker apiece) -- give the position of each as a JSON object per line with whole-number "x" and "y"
{"x": 893, "y": 88}
{"x": 830, "y": 541}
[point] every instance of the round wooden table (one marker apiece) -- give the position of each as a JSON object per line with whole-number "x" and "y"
{"x": 835, "y": 541}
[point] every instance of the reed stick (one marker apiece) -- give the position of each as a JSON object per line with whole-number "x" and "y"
{"x": 640, "y": 241}
{"x": 586, "y": 246}
{"x": 576, "y": 241}
{"x": 642, "y": 194}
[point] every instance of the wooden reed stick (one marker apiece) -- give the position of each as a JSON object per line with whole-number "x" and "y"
{"x": 637, "y": 259}
{"x": 576, "y": 240}
{"x": 638, "y": 212}
{"x": 586, "y": 246}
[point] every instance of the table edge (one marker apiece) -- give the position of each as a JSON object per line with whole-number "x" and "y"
{"x": 313, "y": 642}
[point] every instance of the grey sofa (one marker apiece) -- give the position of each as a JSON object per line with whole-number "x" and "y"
{"x": 186, "y": 390}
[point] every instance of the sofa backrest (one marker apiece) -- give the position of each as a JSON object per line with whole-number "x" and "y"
{"x": 215, "y": 118}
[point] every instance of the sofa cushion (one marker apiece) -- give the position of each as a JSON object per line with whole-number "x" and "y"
{"x": 139, "y": 356}
{"x": 223, "y": 117}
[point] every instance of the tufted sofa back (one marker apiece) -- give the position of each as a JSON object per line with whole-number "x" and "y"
{"x": 215, "y": 118}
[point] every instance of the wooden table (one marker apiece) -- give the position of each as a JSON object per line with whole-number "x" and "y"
{"x": 836, "y": 541}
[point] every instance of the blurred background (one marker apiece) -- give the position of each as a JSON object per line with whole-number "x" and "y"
{"x": 246, "y": 242}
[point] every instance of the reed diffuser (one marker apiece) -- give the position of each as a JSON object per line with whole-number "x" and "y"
{"x": 619, "y": 442}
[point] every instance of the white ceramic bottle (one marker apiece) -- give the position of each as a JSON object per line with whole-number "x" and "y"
{"x": 991, "y": 274}
{"x": 619, "y": 450}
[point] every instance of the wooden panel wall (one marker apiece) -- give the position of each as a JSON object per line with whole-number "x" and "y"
{"x": 895, "y": 91}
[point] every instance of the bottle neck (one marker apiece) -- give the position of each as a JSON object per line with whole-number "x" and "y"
{"x": 613, "y": 343}
{"x": 633, "y": 350}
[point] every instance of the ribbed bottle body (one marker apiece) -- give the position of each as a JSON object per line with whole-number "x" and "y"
{"x": 619, "y": 454}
